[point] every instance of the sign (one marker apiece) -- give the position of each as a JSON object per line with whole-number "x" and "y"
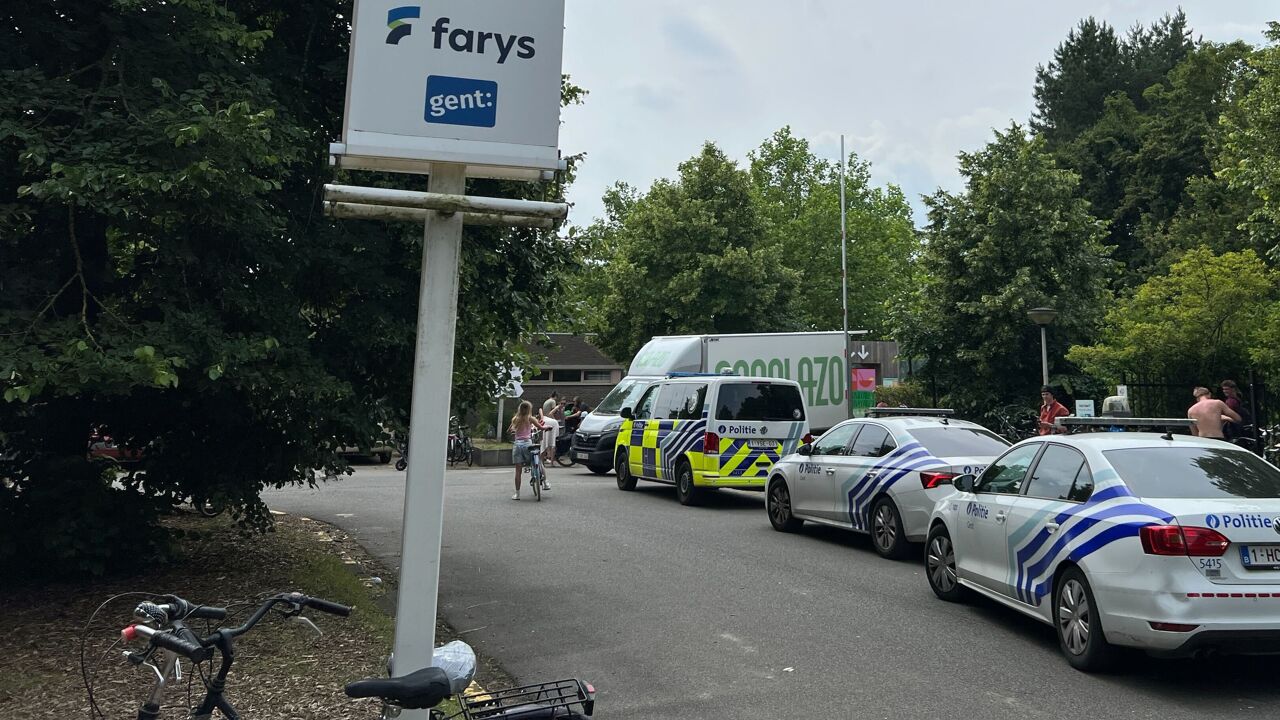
{"x": 1084, "y": 408}
{"x": 472, "y": 82}
{"x": 1122, "y": 390}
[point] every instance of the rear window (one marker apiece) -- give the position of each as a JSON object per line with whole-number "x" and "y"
{"x": 1195, "y": 472}
{"x": 954, "y": 441}
{"x": 764, "y": 401}
{"x": 624, "y": 394}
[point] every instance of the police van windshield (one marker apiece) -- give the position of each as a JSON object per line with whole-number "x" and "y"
{"x": 762, "y": 401}
{"x": 1195, "y": 472}
{"x": 624, "y": 394}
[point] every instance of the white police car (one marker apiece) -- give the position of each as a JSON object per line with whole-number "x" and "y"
{"x": 1168, "y": 543}
{"x": 880, "y": 475}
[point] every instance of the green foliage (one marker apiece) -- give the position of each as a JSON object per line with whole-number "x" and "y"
{"x": 1018, "y": 237}
{"x": 688, "y": 257}
{"x": 906, "y": 394}
{"x": 169, "y": 276}
{"x": 800, "y": 199}
{"x": 1198, "y": 320}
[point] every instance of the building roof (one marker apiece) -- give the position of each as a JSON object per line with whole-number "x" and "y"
{"x": 568, "y": 351}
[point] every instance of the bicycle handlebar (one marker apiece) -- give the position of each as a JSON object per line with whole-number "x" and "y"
{"x": 184, "y": 642}
{"x": 188, "y": 647}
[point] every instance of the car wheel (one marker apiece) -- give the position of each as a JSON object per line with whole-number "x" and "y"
{"x": 598, "y": 469}
{"x": 383, "y": 458}
{"x": 778, "y": 503}
{"x": 625, "y": 480}
{"x": 887, "y": 535}
{"x": 940, "y": 566}
{"x": 1075, "y": 615}
{"x": 686, "y": 492}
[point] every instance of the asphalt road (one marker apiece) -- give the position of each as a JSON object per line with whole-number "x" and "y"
{"x": 707, "y": 612}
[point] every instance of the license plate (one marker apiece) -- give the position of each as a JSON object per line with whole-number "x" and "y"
{"x": 762, "y": 444}
{"x": 1260, "y": 557}
{"x": 581, "y": 455}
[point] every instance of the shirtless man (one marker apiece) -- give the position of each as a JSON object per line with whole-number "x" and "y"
{"x": 1209, "y": 414}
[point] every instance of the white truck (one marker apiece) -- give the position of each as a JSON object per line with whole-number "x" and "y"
{"x": 815, "y": 360}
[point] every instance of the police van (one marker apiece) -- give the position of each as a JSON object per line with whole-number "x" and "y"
{"x": 699, "y": 431}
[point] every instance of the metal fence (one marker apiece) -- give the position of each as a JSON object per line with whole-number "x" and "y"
{"x": 1163, "y": 397}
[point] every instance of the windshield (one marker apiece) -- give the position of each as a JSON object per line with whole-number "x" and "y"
{"x": 1195, "y": 472}
{"x": 954, "y": 441}
{"x": 624, "y": 394}
{"x": 759, "y": 401}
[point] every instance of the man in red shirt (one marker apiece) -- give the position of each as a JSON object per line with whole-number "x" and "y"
{"x": 1050, "y": 409}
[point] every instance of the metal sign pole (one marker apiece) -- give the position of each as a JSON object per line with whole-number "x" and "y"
{"x": 844, "y": 293}
{"x": 428, "y": 428}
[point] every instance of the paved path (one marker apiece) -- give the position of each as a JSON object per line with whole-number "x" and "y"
{"x": 707, "y": 612}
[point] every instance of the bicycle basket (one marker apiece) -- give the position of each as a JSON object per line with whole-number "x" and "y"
{"x": 549, "y": 699}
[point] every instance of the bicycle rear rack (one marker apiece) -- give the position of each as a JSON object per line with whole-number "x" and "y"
{"x": 548, "y": 695}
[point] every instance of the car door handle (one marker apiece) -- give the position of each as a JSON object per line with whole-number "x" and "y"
{"x": 1000, "y": 516}
{"x": 831, "y": 471}
{"x": 1051, "y": 528}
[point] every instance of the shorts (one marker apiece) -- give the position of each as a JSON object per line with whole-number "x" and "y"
{"x": 522, "y": 453}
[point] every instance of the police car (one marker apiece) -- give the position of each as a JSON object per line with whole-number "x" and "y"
{"x": 880, "y": 475}
{"x": 1168, "y": 543}
{"x": 699, "y": 431}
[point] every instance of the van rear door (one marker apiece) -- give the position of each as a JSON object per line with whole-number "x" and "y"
{"x": 757, "y": 421}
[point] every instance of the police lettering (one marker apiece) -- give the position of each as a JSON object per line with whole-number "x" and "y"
{"x": 472, "y": 41}
{"x": 973, "y": 509}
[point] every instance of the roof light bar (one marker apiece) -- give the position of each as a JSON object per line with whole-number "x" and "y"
{"x": 908, "y": 412}
{"x": 1095, "y": 424}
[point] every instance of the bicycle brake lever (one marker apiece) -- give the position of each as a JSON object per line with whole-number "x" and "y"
{"x": 304, "y": 620}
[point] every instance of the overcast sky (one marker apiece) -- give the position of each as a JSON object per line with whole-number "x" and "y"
{"x": 909, "y": 83}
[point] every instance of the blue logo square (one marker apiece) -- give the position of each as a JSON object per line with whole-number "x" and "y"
{"x": 461, "y": 101}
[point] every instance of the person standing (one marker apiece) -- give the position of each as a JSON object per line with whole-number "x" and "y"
{"x": 1233, "y": 399}
{"x": 522, "y": 426}
{"x": 1210, "y": 414}
{"x": 550, "y": 431}
{"x": 549, "y": 405}
{"x": 1050, "y": 410}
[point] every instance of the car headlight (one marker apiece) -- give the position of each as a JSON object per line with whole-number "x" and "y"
{"x": 613, "y": 426}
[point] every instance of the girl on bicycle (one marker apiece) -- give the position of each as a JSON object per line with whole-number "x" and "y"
{"x": 522, "y": 426}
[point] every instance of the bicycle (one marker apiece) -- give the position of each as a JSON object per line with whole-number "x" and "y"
{"x": 461, "y": 448}
{"x": 164, "y": 626}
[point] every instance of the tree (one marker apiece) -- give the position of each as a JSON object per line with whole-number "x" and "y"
{"x": 169, "y": 277}
{"x": 800, "y": 201}
{"x": 1019, "y": 236}
{"x": 1196, "y": 321}
{"x": 688, "y": 257}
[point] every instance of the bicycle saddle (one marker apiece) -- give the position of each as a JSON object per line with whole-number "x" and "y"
{"x": 416, "y": 691}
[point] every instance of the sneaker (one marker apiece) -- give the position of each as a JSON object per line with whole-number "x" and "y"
{"x": 516, "y": 496}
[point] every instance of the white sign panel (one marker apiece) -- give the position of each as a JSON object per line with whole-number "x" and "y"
{"x": 475, "y": 82}
{"x": 1084, "y": 408}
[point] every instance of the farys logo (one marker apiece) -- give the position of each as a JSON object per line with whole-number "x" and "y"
{"x": 397, "y": 21}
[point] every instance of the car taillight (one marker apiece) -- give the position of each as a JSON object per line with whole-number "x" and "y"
{"x": 931, "y": 480}
{"x": 711, "y": 443}
{"x": 807, "y": 439}
{"x": 1178, "y": 540}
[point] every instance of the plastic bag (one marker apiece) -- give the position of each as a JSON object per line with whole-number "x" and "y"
{"x": 458, "y": 661}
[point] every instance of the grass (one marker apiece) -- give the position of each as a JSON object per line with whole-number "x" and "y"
{"x": 489, "y": 444}
{"x": 282, "y": 669}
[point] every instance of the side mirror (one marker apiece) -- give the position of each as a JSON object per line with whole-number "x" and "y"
{"x": 805, "y": 449}
{"x": 965, "y": 483}
{"x": 626, "y": 414}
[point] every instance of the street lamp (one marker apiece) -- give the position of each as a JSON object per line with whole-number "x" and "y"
{"x": 1042, "y": 316}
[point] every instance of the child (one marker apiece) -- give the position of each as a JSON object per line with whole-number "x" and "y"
{"x": 522, "y": 426}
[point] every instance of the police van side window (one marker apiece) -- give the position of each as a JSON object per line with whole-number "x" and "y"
{"x": 644, "y": 408}
{"x": 683, "y": 402}
{"x": 1055, "y": 473}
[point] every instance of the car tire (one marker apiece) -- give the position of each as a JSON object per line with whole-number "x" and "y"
{"x": 686, "y": 492}
{"x": 940, "y": 566}
{"x": 626, "y": 481}
{"x": 1078, "y": 625}
{"x": 778, "y": 504}
{"x": 887, "y": 536}
{"x": 383, "y": 458}
{"x": 599, "y": 469}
